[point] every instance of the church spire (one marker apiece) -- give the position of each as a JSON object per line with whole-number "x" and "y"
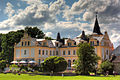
{"x": 96, "y": 26}
{"x": 58, "y": 37}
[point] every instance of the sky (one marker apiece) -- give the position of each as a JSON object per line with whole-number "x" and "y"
{"x": 69, "y": 17}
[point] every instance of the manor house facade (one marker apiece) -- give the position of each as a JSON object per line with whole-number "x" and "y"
{"x": 39, "y": 49}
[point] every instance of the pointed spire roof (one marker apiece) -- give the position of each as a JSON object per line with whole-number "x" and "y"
{"x": 58, "y": 36}
{"x": 83, "y": 35}
{"x": 97, "y": 27}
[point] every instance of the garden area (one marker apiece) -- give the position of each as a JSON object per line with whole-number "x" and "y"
{"x": 10, "y": 76}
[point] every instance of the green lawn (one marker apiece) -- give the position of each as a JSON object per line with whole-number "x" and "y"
{"x": 40, "y": 77}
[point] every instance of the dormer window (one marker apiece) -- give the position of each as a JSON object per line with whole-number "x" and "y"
{"x": 44, "y": 44}
{"x": 74, "y": 43}
{"x": 69, "y": 44}
{"x": 56, "y": 44}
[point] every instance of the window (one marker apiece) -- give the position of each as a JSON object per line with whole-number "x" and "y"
{"x": 69, "y": 63}
{"x": 28, "y": 43}
{"x": 74, "y": 52}
{"x": 25, "y": 43}
{"x": 68, "y": 52}
{"x": 92, "y": 43}
{"x": 50, "y": 52}
{"x": 46, "y": 52}
{"x": 39, "y": 62}
{"x": 44, "y": 44}
{"x": 22, "y": 43}
{"x": 64, "y": 52}
{"x": 24, "y": 52}
{"x": 56, "y": 44}
{"x": 69, "y": 44}
{"x": 74, "y": 43}
{"x": 56, "y": 52}
{"x": 53, "y": 53}
{"x": 97, "y": 43}
{"x": 39, "y": 52}
{"x": 42, "y": 52}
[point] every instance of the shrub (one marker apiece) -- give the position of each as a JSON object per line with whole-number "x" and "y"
{"x": 54, "y": 64}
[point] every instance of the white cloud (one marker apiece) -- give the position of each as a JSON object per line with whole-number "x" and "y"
{"x": 18, "y": 4}
{"x": 9, "y": 9}
{"x": 49, "y": 34}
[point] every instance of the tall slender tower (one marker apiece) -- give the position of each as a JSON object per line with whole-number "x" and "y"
{"x": 96, "y": 27}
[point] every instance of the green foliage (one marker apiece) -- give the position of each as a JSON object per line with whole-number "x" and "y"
{"x": 54, "y": 64}
{"x": 34, "y": 32}
{"x": 48, "y": 38}
{"x": 8, "y": 41}
{"x": 3, "y": 64}
{"x": 87, "y": 59}
{"x": 106, "y": 66}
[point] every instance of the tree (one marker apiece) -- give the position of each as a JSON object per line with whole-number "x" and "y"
{"x": 87, "y": 59}
{"x": 48, "y": 38}
{"x": 34, "y": 32}
{"x": 106, "y": 66}
{"x": 54, "y": 64}
{"x": 2, "y": 64}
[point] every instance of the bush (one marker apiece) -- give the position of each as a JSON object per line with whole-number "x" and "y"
{"x": 54, "y": 64}
{"x": 3, "y": 64}
{"x": 106, "y": 66}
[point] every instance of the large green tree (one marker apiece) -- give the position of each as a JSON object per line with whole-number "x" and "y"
{"x": 8, "y": 41}
{"x": 34, "y": 32}
{"x": 54, "y": 64}
{"x": 87, "y": 59}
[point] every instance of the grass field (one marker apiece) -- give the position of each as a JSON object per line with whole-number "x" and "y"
{"x": 40, "y": 77}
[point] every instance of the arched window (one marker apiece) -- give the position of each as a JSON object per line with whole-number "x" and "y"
{"x": 69, "y": 63}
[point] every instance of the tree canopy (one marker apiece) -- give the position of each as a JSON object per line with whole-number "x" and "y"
{"x": 34, "y": 32}
{"x": 54, "y": 64}
{"x": 87, "y": 59}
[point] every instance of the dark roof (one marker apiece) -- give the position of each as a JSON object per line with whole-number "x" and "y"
{"x": 84, "y": 37}
{"x": 58, "y": 36}
{"x": 96, "y": 27}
